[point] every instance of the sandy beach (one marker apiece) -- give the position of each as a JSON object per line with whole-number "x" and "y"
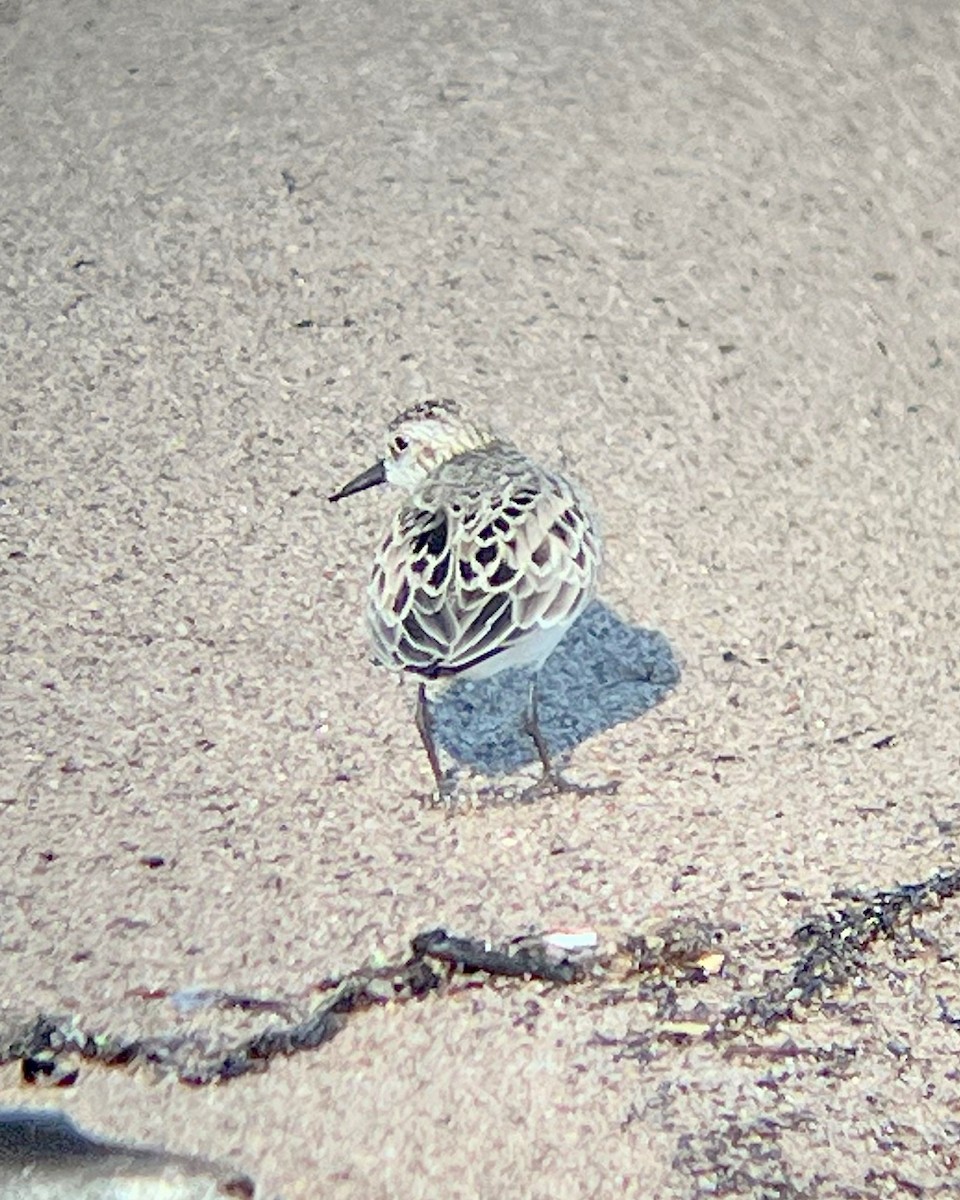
{"x": 704, "y": 260}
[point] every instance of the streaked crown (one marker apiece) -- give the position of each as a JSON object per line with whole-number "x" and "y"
{"x": 421, "y": 438}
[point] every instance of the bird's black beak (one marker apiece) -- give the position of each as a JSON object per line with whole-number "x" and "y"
{"x": 367, "y": 479}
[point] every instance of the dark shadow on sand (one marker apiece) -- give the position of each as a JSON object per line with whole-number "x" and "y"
{"x": 604, "y": 673}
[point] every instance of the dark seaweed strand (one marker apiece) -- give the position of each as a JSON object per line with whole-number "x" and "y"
{"x": 833, "y": 947}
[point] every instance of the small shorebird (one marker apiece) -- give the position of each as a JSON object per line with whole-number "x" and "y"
{"x": 486, "y": 564}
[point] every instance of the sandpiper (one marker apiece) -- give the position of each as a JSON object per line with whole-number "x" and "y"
{"x": 488, "y": 561}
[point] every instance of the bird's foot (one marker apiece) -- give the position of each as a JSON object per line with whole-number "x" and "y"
{"x": 555, "y": 783}
{"x": 444, "y": 794}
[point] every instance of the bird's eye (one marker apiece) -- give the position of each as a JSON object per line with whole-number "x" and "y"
{"x": 400, "y": 444}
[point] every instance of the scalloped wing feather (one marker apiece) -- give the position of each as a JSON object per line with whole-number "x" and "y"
{"x": 470, "y": 573}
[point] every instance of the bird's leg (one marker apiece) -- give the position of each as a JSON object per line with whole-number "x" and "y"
{"x": 552, "y": 778}
{"x": 425, "y": 729}
{"x": 531, "y": 726}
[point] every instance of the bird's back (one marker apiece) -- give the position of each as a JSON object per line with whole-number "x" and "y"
{"x": 485, "y": 566}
